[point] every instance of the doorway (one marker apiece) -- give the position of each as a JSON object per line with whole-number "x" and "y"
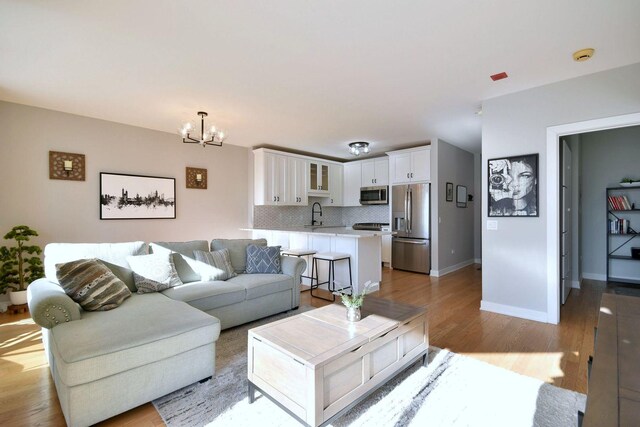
{"x": 554, "y": 135}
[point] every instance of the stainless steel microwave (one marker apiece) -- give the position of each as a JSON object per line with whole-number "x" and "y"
{"x": 374, "y": 195}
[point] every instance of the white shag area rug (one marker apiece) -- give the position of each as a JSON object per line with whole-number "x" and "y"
{"x": 453, "y": 390}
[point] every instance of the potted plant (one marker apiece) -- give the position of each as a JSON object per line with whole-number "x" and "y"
{"x": 21, "y": 264}
{"x": 354, "y": 302}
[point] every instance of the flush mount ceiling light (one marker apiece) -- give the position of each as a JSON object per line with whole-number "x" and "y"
{"x": 583, "y": 55}
{"x": 357, "y": 148}
{"x": 208, "y": 136}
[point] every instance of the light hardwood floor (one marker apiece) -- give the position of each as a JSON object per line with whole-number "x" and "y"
{"x": 556, "y": 354}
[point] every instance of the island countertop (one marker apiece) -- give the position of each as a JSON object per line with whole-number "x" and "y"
{"x": 326, "y": 231}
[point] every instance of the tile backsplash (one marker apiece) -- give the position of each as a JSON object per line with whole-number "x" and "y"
{"x": 294, "y": 216}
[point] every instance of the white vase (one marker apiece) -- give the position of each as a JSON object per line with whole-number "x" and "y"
{"x": 18, "y": 297}
{"x": 353, "y": 314}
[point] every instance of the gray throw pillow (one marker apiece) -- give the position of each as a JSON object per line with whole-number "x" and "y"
{"x": 91, "y": 284}
{"x": 157, "y": 267}
{"x": 237, "y": 250}
{"x": 263, "y": 259}
{"x": 147, "y": 286}
{"x": 214, "y": 265}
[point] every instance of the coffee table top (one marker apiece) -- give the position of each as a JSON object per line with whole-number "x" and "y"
{"x": 317, "y": 337}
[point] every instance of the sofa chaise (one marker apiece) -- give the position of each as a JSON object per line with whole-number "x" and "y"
{"x": 106, "y": 362}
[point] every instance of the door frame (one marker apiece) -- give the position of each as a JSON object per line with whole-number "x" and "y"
{"x": 554, "y": 133}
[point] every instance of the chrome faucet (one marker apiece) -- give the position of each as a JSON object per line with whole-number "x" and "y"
{"x": 314, "y": 212}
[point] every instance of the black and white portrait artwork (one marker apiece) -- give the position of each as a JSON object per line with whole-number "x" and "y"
{"x": 136, "y": 197}
{"x": 513, "y": 186}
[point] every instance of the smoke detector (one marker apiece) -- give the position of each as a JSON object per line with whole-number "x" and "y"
{"x": 583, "y": 55}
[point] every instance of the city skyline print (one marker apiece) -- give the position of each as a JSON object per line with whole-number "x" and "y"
{"x": 124, "y": 196}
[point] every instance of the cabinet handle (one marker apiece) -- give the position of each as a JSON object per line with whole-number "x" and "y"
{"x": 411, "y": 174}
{"x": 274, "y": 198}
{"x": 407, "y": 175}
{"x": 331, "y": 200}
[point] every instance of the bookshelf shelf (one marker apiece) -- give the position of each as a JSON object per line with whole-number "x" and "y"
{"x": 621, "y": 205}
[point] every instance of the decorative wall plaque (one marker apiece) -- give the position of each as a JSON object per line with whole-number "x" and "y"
{"x": 68, "y": 166}
{"x": 196, "y": 178}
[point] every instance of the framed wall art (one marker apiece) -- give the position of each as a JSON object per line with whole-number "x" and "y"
{"x": 449, "y": 191}
{"x": 461, "y": 196}
{"x": 513, "y": 186}
{"x": 125, "y": 196}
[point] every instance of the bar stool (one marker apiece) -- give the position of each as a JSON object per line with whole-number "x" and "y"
{"x": 331, "y": 257}
{"x": 299, "y": 253}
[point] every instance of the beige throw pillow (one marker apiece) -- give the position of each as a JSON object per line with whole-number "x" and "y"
{"x": 157, "y": 267}
{"x": 215, "y": 265}
{"x": 91, "y": 284}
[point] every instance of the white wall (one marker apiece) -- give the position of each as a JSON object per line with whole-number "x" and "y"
{"x": 477, "y": 207}
{"x": 68, "y": 211}
{"x": 607, "y": 157}
{"x": 454, "y": 246}
{"x": 514, "y": 273}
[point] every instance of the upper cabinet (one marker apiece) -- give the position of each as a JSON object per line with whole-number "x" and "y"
{"x": 352, "y": 182}
{"x": 375, "y": 172}
{"x": 271, "y": 181}
{"x": 318, "y": 178}
{"x": 297, "y": 181}
{"x": 335, "y": 193}
{"x": 412, "y": 165}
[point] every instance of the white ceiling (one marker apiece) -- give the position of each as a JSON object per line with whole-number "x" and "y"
{"x": 307, "y": 75}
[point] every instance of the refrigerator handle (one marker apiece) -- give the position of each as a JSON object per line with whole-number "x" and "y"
{"x": 410, "y": 210}
{"x": 406, "y": 210}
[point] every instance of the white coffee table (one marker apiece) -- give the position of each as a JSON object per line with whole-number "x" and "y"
{"x": 317, "y": 365}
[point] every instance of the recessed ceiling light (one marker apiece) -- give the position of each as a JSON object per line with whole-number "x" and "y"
{"x": 479, "y": 111}
{"x": 499, "y": 76}
{"x": 583, "y": 55}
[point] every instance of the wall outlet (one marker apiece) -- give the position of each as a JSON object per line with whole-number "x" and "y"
{"x": 492, "y": 224}
{"x": 453, "y": 251}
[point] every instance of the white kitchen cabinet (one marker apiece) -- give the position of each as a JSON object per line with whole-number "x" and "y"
{"x": 319, "y": 182}
{"x": 297, "y": 176}
{"x": 352, "y": 179}
{"x": 375, "y": 172}
{"x": 413, "y": 165}
{"x": 335, "y": 192}
{"x": 270, "y": 179}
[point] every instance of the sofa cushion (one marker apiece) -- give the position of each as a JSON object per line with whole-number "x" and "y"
{"x": 157, "y": 267}
{"x": 259, "y": 285}
{"x": 183, "y": 257}
{"x": 214, "y": 265}
{"x": 207, "y": 295}
{"x": 114, "y": 253}
{"x": 91, "y": 284}
{"x": 237, "y": 250}
{"x": 146, "y": 285}
{"x": 144, "y": 329}
{"x": 263, "y": 259}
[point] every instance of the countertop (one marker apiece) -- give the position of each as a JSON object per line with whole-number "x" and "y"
{"x": 327, "y": 231}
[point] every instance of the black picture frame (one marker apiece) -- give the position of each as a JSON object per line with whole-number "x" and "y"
{"x": 125, "y": 196}
{"x": 461, "y": 196}
{"x": 513, "y": 186}
{"x": 449, "y": 192}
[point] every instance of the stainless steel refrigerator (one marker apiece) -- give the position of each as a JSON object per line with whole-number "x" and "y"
{"x": 411, "y": 245}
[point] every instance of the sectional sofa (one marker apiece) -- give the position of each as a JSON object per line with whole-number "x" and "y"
{"x": 107, "y": 362}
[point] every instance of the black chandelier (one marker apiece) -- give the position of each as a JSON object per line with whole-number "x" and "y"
{"x": 209, "y": 136}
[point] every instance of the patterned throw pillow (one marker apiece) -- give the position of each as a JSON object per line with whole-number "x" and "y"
{"x": 263, "y": 259}
{"x": 157, "y": 267}
{"x": 214, "y": 265}
{"x": 91, "y": 284}
{"x": 147, "y": 286}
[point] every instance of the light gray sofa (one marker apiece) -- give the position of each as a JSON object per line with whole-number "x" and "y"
{"x": 106, "y": 362}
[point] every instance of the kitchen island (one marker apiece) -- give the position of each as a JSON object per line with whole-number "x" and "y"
{"x": 364, "y": 247}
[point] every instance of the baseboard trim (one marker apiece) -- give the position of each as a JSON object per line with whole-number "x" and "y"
{"x": 451, "y": 269}
{"x": 509, "y": 310}
{"x": 575, "y": 284}
{"x": 595, "y": 276}
{"x": 478, "y": 260}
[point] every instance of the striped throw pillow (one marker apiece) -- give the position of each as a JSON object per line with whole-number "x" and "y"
{"x": 91, "y": 284}
{"x": 214, "y": 265}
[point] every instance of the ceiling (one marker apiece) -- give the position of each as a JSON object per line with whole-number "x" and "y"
{"x": 305, "y": 75}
